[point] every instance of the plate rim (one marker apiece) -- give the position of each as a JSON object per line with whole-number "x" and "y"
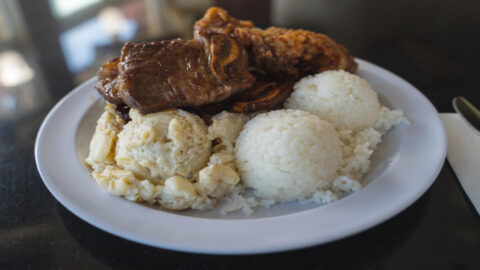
{"x": 219, "y": 249}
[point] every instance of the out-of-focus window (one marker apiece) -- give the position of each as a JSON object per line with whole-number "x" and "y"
{"x": 14, "y": 69}
{"x": 91, "y": 32}
{"x": 5, "y": 27}
{"x": 63, "y": 8}
{"x": 11, "y": 24}
{"x": 22, "y": 85}
{"x": 80, "y": 42}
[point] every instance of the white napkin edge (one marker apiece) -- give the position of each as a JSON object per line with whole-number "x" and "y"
{"x": 463, "y": 154}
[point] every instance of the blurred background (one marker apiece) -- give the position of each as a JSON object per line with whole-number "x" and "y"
{"x": 47, "y": 47}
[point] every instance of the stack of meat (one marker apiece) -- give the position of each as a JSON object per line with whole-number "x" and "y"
{"x": 229, "y": 65}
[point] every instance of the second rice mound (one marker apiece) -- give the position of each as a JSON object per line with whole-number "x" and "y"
{"x": 344, "y": 99}
{"x": 287, "y": 155}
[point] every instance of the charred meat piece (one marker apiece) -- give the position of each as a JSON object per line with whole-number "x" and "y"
{"x": 123, "y": 111}
{"x": 267, "y": 93}
{"x": 279, "y": 51}
{"x": 217, "y": 21}
{"x": 107, "y": 80}
{"x": 174, "y": 73}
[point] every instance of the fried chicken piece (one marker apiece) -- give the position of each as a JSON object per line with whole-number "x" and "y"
{"x": 166, "y": 74}
{"x": 278, "y": 51}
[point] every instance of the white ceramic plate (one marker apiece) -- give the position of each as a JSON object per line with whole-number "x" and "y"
{"x": 403, "y": 168}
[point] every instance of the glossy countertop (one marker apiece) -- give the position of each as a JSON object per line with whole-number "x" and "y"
{"x": 432, "y": 44}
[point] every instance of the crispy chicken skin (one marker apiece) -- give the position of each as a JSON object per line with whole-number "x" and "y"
{"x": 279, "y": 51}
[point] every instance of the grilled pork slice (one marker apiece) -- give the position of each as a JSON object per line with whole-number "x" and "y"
{"x": 154, "y": 76}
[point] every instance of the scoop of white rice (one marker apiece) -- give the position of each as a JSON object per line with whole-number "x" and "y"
{"x": 288, "y": 154}
{"x": 342, "y": 98}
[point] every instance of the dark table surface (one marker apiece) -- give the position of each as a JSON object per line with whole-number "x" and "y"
{"x": 432, "y": 44}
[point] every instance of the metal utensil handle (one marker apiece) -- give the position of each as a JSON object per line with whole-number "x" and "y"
{"x": 469, "y": 112}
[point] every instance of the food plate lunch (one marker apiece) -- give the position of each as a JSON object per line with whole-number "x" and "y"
{"x": 402, "y": 168}
{"x": 239, "y": 140}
